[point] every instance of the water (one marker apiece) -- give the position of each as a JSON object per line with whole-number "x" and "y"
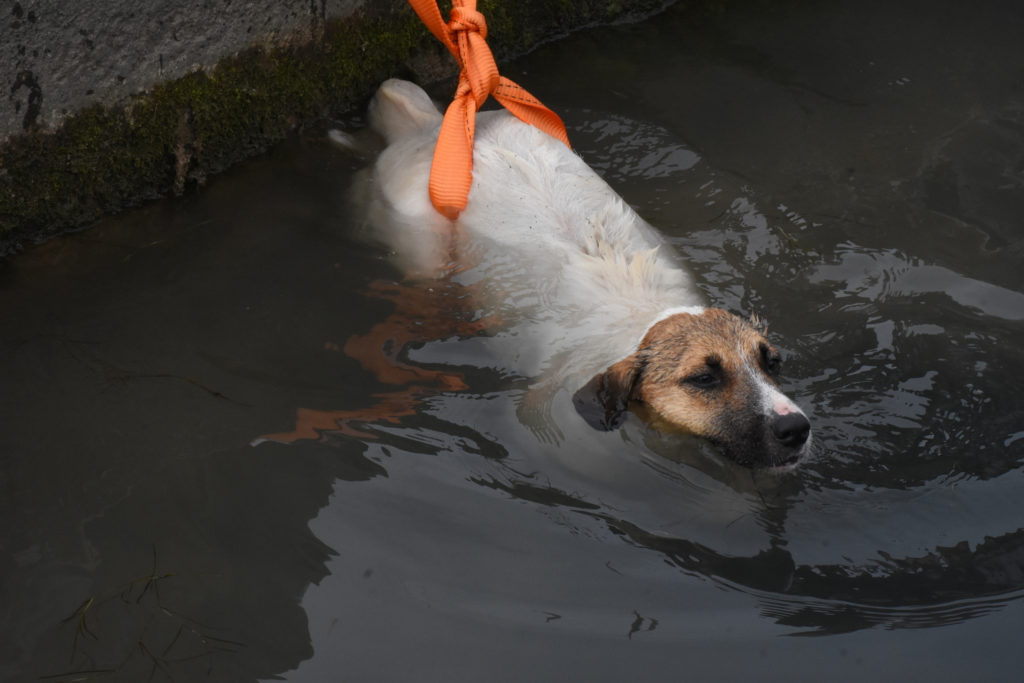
{"x": 852, "y": 172}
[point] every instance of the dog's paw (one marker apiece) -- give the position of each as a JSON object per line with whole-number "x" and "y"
{"x": 534, "y": 412}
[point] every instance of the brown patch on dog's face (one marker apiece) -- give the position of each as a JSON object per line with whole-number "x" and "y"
{"x": 711, "y": 374}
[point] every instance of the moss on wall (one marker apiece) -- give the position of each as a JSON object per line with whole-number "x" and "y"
{"x": 104, "y": 159}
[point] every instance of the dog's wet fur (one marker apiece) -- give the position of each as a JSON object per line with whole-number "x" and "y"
{"x": 591, "y": 278}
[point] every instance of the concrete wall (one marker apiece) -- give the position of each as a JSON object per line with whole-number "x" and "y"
{"x": 105, "y": 104}
{"x": 59, "y": 56}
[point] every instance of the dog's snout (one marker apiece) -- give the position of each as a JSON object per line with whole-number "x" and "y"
{"x": 791, "y": 429}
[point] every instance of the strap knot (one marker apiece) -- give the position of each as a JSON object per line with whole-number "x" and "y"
{"x": 451, "y": 172}
{"x": 467, "y": 20}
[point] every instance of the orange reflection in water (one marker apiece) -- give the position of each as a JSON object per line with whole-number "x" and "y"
{"x": 424, "y": 311}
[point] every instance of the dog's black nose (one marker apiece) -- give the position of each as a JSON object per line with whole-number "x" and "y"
{"x": 791, "y": 429}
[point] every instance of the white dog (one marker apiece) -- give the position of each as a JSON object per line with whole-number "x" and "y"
{"x": 591, "y": 297}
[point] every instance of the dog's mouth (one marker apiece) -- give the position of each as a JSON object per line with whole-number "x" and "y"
{"x": 756, "y": 459}
{"x": 768, "y": 452}
{"x": 772, "y": 465}
{"x": 789, "y": 461}
{"x": 785, "y": 463}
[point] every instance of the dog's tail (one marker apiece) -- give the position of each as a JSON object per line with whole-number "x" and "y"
{"x": 400, "y": 109}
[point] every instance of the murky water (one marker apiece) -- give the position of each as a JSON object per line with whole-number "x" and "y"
{"x": 853, "y": 173}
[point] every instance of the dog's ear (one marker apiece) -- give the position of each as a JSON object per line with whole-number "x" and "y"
{"x": 604, "y": 400}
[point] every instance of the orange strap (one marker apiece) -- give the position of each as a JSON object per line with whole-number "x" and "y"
{"x": 451, "y": 173}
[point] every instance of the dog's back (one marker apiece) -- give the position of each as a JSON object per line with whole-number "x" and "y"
{"x": 533, "y": 202}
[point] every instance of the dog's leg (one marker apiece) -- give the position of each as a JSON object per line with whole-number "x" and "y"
{"x": 534, "y": 407}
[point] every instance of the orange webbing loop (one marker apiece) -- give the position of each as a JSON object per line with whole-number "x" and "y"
{"x": 451, "y": 172}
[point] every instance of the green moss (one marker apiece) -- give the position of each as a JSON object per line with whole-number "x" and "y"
{"x": 102, "y": 159}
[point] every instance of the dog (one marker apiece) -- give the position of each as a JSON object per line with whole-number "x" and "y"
{"x": 591, "y": 297}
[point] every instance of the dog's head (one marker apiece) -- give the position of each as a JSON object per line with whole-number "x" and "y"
{"x": 707, "y": 373}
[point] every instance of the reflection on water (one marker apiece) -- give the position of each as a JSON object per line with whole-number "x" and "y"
{"x": 857, "y": 187}
{"x": 888, "y": 276}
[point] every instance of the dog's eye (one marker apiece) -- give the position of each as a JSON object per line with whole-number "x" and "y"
{"x": 703, "y": 380}
{"x": 772, "y": 360}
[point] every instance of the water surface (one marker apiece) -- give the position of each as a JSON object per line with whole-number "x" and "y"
{"x": 851, "y": 172}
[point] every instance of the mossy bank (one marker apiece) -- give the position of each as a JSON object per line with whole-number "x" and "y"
{"x": 176, "y": 134}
